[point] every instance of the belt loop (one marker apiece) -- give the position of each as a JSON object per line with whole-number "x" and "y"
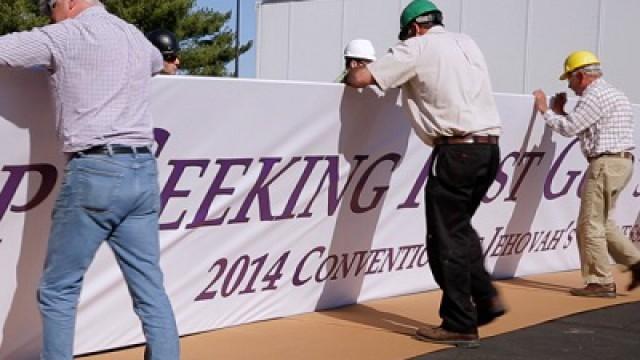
{"x": 109, "y": 149}
{"x": 135, "y": 152}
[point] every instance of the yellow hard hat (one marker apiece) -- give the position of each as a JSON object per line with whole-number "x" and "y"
{"x": 577, "y": 60}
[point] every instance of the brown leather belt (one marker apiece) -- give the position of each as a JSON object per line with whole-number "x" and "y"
{"x": 622, "y": 154}
{"x": 469, "y": 139}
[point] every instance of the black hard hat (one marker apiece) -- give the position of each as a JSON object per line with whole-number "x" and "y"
{"x": 166, "y": 42}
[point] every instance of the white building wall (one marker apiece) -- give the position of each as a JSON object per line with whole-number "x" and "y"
{"x": 524, "y": 41}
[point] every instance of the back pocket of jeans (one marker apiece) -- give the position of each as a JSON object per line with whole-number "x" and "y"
{"x": 97, "y": 189}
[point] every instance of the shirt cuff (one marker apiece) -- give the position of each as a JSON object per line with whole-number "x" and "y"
{"x": 376, "y": 76}
{"x": 549, "y": 114}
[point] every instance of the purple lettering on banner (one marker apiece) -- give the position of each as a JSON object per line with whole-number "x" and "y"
{"x": 329, "y": 268}
{"x": 216, "y": 189}
{"x": 423, "y": 259}
{"x": 161, "y": 136}
{"x": 493, "y": 240}
{"x": 374, "y": 260}
{"x": 378, "y": 190}
{"x": 295, "y": 195}
{"x": 415, "y": 257}
{"x": 261, "y": 191}
{"x": 296, "y": 280}
{"x": 362, "y": 262}
{"x": 548, "y": 193}
{"x": 209, "y": 293}
{"x": 49, "y": 175}
{"x": 411, "y": 201}
{"x": 408, "y": 249}
{"x": 528, "y": 157}
{"x": 390, "y": 259}
{"x": 581, "y": 185}
{"x": 345, "y": 264}
{"x": 169, "y": 191}
{"x": 522, "y": 243}
{"x": 333, "y": 176}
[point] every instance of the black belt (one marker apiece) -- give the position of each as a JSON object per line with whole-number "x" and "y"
{"x": 114, "y": 149}
{"x": 469, "y": 139}
{"x": 622, "y": 154}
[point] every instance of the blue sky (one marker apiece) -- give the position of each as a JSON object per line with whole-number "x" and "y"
{"x": 247, "y": 29}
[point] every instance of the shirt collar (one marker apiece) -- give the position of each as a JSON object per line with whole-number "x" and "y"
{"x": 595, "y": 84}
{"x": 438, "y": 29}
{"x": 96, "y": 9}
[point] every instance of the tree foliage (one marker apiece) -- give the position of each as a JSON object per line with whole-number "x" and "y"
{"x": 19, "y": 15}
{"x": 208, "y": 43}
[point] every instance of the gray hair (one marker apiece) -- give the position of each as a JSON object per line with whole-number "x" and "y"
{"x": 592, "y": 70}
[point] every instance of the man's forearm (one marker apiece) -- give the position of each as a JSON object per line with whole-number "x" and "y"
{"x": 25, "y": 49}
{"x": 360, "y": 77}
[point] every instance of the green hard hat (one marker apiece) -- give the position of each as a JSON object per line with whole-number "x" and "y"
{"x": 415, "y": 9}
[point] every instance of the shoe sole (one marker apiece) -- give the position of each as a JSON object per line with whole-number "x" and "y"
{"x": 601, "y": 295}
{"x": 493, "y": 317}
{"x": 463, "y": 344}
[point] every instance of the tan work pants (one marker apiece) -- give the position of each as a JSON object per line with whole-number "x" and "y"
{"x": 598, "y": 235}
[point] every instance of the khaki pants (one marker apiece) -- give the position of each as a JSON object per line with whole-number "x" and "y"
{"x": 598, "y": 235}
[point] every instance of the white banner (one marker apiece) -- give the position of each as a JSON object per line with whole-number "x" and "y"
{"x": 278, "y": 199}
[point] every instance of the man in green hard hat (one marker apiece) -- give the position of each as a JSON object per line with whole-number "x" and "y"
{"x": 447, "y": 92}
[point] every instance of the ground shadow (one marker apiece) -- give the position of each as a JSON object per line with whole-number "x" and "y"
{"x": 369, "y": 127}
{"x": 21, "y": 330}
{"x": 531, "y": 167}
{"x": 366, "y": 315}
{"x": 539, "y": 285}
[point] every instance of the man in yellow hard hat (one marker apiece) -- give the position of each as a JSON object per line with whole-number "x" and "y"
{"x": 447, "y": 91}
{"x": 603, "y": 122}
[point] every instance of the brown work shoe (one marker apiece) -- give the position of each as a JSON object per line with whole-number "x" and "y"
{"x": 439, "y": 335}
{"x": 490, "y": 310}
{"x": 635, "y": 276}
{"x": 596, "y": 290}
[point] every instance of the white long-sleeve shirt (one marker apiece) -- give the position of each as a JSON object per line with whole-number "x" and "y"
{"x": 101, "y": 69}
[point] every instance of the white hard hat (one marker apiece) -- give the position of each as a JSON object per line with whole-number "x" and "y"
{"x": 360, "y": 49}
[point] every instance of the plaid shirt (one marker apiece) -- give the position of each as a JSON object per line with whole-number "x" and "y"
{"x": 602, "y": 120}
{"x": 101, "y": 70}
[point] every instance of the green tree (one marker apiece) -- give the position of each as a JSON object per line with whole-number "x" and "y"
{"x": 208, "y": 43}
{"x": 19, "y": 15}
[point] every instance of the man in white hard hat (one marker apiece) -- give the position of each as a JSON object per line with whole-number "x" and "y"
{"x": 358, "y": 52}
{"x": 447, "y": 91}
{"x": 603, "y": 122}
{"x": 101, "y": 69}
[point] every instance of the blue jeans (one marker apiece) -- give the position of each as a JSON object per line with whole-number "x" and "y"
{"x": 113, "y": 198}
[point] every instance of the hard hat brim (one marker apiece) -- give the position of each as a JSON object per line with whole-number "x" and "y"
{"x": 360, "y": 57}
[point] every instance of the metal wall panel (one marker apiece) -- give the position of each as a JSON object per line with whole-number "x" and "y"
{"x": 367, "y": 19}
{"x": 316, "y": 36}
{"x": 525, "y": 41}
{"x": 272, "y": 41}
{"x": 619, "y": 45}
{"x": 558, "y": 28}
{"x": 502, "y": 40}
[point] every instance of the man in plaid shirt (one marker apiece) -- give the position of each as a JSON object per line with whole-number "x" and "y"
{"x": 603, "y": 122}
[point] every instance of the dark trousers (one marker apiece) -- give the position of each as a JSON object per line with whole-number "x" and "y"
{"x": 460, "y": 177}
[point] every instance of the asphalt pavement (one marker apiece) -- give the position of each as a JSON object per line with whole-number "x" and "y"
{"x": 609, "y": 333}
